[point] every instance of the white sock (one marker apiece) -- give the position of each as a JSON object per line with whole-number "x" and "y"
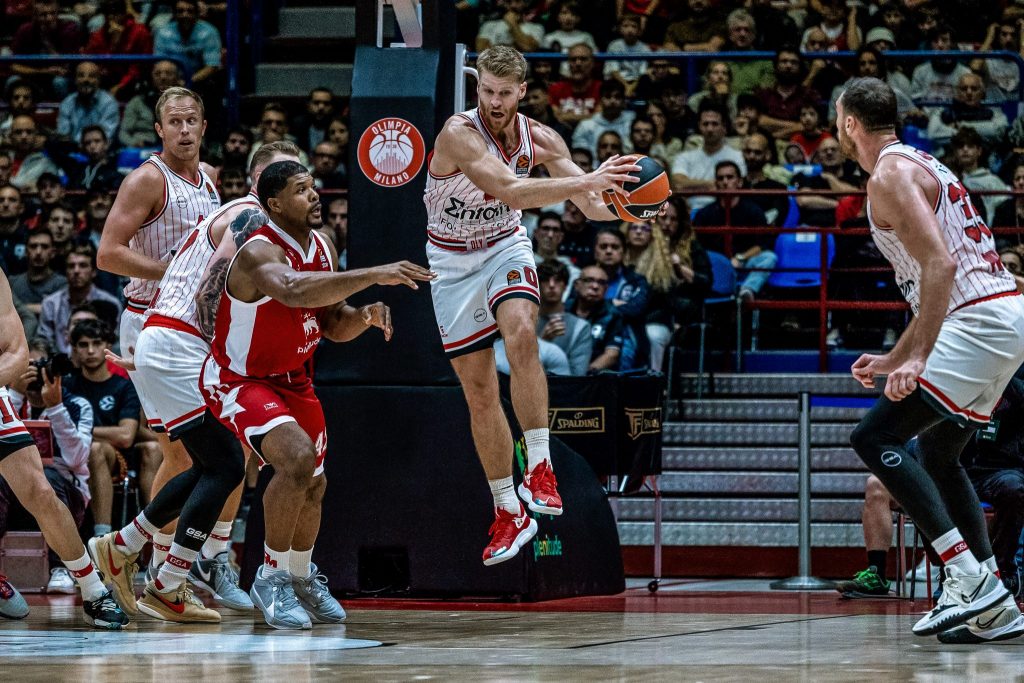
{"x": 175, "y": 569}
{"x": 991, "y": 565}
{"x": 504, "y": 494}
{"x": 217, "y": 541}
{"x": 537, "y": 450}
{"x": 136, "y": 534}
{"x": 161, "y": 546}
{"x": 953, "y": 551}
{"x": 275, "y": 560}
{"x": 300, "y": 563}
{"x": 87, "y": 577}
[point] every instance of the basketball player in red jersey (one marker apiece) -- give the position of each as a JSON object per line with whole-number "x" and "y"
{"x": 21, "y": 468}
{"x": 487, "y": 286}
{"x": 157, "y": 205}
{"x": 281, "y": 295}
{"x": 948, "y": 370}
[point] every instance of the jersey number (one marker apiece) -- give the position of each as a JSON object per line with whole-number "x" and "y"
{"x": 976, "y": 228}
{"x": 6, "y": 412}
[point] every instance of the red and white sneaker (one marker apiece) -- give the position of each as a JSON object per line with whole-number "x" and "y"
{"x": 540, "y": 490}
{"x": 509, "y": 533}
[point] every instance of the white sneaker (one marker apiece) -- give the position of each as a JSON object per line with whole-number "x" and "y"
{"x": 922, "y": 571}
{"x": 963, "y": 596}
{"x": 1003, "y": 622}
{"x": 61, "y": 581}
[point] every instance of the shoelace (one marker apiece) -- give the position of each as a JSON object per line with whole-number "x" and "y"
{"x": 286, "y": 597}
{"x": 225, "y": 573}
{"x": 545, "y": 481}
{"x": 106, "y": 603}
{"x": 317, "y": 585}
{"x": 188, "y": 596}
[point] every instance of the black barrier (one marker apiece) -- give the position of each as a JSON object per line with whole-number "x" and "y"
{"x": 407, "y": 508}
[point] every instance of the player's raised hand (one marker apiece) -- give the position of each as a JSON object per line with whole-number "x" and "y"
{"x": 403, "y": 273}
{"x": 612, "y": 173}
{"x": 123, "y": 363}
{"x": 378, "y": 315}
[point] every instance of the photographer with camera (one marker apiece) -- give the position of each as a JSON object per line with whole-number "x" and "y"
{"x": 37, "y": 394}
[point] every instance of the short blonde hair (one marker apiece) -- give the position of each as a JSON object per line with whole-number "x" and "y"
{"x": 175, "y": 92}
{"x": 503, "y": 62}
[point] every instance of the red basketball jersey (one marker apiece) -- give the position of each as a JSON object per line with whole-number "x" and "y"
{"x": 265, "y": 338}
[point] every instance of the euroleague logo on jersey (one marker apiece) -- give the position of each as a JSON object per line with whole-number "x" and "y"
{"x": 391, "y": 152}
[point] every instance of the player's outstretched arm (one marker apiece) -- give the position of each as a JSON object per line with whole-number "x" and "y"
{"x": 133, "y": 205}
{"x": 13, "y": 347}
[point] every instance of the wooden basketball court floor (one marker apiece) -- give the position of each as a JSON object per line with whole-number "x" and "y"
{"x": 688, "y": 631}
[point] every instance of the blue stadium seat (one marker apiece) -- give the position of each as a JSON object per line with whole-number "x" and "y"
{"x": 800, "y": 250}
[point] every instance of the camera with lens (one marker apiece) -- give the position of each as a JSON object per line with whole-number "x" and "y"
{"x": 54, "y": 365}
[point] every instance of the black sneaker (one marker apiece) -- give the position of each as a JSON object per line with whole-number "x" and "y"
{"x": 104, "y": 612}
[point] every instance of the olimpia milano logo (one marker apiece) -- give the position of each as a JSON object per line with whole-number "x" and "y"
{"x": 391, "y": 152}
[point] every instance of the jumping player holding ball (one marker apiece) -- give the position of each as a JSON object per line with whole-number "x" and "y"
{"x": 486, "y": 286}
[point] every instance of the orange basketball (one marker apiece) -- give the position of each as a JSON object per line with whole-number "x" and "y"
{"x": 646, "y": 195}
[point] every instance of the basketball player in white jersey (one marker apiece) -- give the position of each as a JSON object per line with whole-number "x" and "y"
{"x": 156, "y": 206}
{"x": 169, "y": 357}
{"x": 487, "y": 285}
{"x": 950, "y": 366}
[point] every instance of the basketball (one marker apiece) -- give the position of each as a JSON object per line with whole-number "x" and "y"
{"x": 646, "y": 195}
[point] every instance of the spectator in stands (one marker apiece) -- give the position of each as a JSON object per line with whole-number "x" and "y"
{"x": 872, "y": 62}
{"x": 1013, "y": 261}
{"x": 310, "y": 128}
{"x": 583, "y": 158}
{"x": 609, "y": 144}
{"x": 578, "y": 241}
{"x": 812, "y": 129}
{"x": 99, "y": 171}
{"x": 638, "y": 239}
{"x": 576, "y": 97}
{"x": 80, "y": 272}
{"x": 13, "y": 232}
{"x": 335, "y": 229}
{"x": 116, "y": 410}
{"x": 627, "y": 292}
{"x": 21, "y": 101}
{"x": 695, "y": 169}
{"x": 612, "y": 116}
{"x": 967, "y": 111}
{"x": 935, "y": 80}
{"x": 641, "y": 136}
{"x": 607, "y": 330}
{"x": 232, "y": 184}
{"x": 823, "y": 75}
{"x": 556, "y": 325}
{"x": 71, "y": 421}
{"x": 679, "y": 120}
{"x": 568, "y": 15}
{"x": 46, "y": 34}
{"x": 40, "y": 280}
{"x": 60, "y": 221}
{"x": 1002, "y": 76}
{"x": 193, "y": 41}
{"x": 835, "y": 175}
{"x": 659, "y": 71}
{"x": 29, "y": 158}
{"x": 547, "y": 238}
{"x": 838, "y": 23}
{"x": 49, "y": 193}
{"x": 273, "y": 127}
{"x": 5, "y": 167}
{"x": 537, "y": 105}
{"x": 784, "y": 100}
{"x": 717, "y": 88}
{"x": 511, "y": 29}
{"x": 751, "y": 73}
{"x": 702, "y": 29}
{"x": 120, "y": 35}
{"x": 337, "y": 132}
{"x": 665, "y": 145}
{"x": 775, "y": 28}
{"x": 627, "y": 72}
{"x": 325, "y": 164}
{"x": 967, "y": 153}
{"x": 237, "y": 147}
{"x": 137, "y": 123}
{"x": 97, "y": 208}
{"x": 1010, "y": 211}
{"x": 891, "y": 19}
{"x": 759, "y": 155}
{"x": 752, "y": 254}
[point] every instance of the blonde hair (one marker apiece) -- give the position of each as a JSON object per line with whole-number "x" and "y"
{"x": 655, "y": 263}
{"x": 175, "y": 92}
{"x": 502, "y": 61}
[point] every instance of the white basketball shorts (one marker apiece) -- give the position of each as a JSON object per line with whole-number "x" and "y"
{"x": 168, "y": 363}
{"x": 131, "y": 327}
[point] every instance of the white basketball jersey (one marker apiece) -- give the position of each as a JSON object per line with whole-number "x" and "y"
{"x": 460, "y": 215}
{"x": 176, "y": 296}
{"x": 186, "y": 203}
{"x": 979, "y": 273}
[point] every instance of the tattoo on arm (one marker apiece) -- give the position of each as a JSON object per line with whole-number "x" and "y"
{"x": 245, "y": 224}
{"x": 208, "y": 296}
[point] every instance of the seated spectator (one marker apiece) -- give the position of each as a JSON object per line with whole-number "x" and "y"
{"x": 752, "y": 254}
{"x": 1002, "y": 76}
{"x": 612, "y": 116}
{"x": 968, "y": 150}
{"x": 1010, "y": 211}
{"x": 88, "y": 106}
{"x": 232, "y": 184}
{"x": 637, "y": 238}
{"x": 547, "y": 237}
{"x": 578, "y": 240}
{"x": 892, "y": 20}
{"x": 310, "y": 128}
{"x": 237, "y": 147}
{"x": 609, "y": 144}
{"x": 46, "y": 34}
{"x": 568, "y": 15}
{"x": 13, "y": 232}
{"x": 29, "y": 320}
{"x": 695, "y": 169}
{"x": 335, "y": 228}
{"x": 775, "y": 28}
{"x": 337, "y": 132}
{"x": 325, "y": 167}
{"x": 717, "y": 89}
{"x": 29, "y": 158}
{"x": 679, "y": 120}
{"x": 116, "y": 410}
{"x": 138, "y": 119}
{"x": 190, "y": 39}
{"x": 627, "y": 72}
{"x": 836, "y": 174}
{"x": 839, "y": 24}
{"x": 743, "y": 36}
{"x": 537, "y": 105}
{"x": 99, "y": 171}
{"x": 823, "y": 74}
{"x": 49, "y": 193}
{"x": 691, "y": 269}
{"x": 60, "y": 221}
{"x": 274, "y": 127}
{"x": 92, "y": 310}
{"x": 511, "y": 29}
{"x": 606, "y": 326}
{"x": 97, "y": 208}
{"x": 41, "y": 397}
{"x": 80, "y": 273}
{"x": 812, "y": 132}
{"x": 627, "y": 292}
{"x": 556, "y": 325}
{"x": 21, "y": 101}
{"x": 39, "y": 281}
{"x": 748, "y": 117}
{"x": 659, "y": 71}
{"x": 583, "y": 158}
{"x": 784, "y": 100}
{"x": 935, "y": 80}
{"x": 872, "y": 62}
{"x": 1013, "y": 260}
{"x": 762, "y": 174}
{"x": 120, "y": 35}
{"x": 702, "y": 29}
{"x": 576, "y": 98}
{"x": 967, "y": 111}
{"x": 641, "y": 137}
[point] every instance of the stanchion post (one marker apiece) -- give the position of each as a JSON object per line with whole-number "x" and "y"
{"x": 804, "y": 581}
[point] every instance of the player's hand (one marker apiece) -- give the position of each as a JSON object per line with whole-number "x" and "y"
{"x": 403, "y": 273}
{"x": 123, "y": 363}
{"x": 51, "y": 391}
{"x": 903, "y": 380}
{"x": 612, "y": 173}
{"x": 378, "y": 315}
{"x": 868, "y": 365}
